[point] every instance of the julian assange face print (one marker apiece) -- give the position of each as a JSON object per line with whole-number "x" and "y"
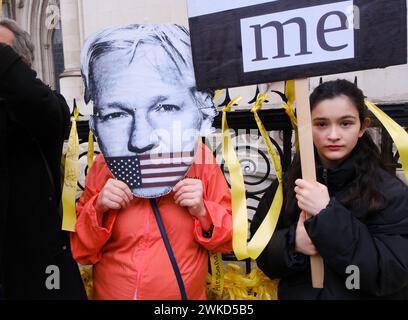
{"x": 147, "y": 118}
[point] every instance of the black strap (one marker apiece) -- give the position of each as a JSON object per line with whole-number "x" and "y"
{"x": 169, "y": 249}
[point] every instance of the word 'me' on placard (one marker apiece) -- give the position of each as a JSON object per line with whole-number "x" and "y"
{"x": 244, "y": 42}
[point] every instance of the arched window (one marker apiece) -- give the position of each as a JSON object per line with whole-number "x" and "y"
{"x": 57, "y": 54}
{"x": 6, "y": 9}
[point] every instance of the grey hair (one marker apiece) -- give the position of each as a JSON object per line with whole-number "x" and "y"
{"x": 22, "y": 40}
{"x": 174, "y": 39}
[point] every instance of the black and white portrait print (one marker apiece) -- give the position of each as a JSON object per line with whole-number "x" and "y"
{"x": 148, "y": 116}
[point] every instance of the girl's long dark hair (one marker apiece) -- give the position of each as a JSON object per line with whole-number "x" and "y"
{"x": 366, "y": 154}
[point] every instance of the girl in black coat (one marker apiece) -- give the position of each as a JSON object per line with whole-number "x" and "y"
{"x": 359, "y": 222}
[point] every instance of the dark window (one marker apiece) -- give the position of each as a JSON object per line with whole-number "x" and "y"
{"x": 6, "y": 9}
{"x": 58, "y": 54}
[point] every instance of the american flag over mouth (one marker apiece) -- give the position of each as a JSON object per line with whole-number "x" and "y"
{"x": 151, "y": 170}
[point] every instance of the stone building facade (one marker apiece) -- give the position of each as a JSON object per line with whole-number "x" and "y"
{"x": 60, "y": 27}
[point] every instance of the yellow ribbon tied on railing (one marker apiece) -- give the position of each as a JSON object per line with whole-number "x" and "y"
{"x": 397, "y": 133}
{"x": 71, "y": 177}
{"x": 238, "y": 201}
{"x": 290, "y": 109}
{"x": 265, "y": 231}
{"x": 260, "y": 239}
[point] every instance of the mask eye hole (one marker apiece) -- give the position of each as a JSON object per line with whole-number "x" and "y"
{"x": 167, "y": 108}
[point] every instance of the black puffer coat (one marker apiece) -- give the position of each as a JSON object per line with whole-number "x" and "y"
{"x": 376, "y": 243}
{"x": 33, "y": 122}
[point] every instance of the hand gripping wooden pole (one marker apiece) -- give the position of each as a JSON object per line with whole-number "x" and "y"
{"x": 307, "y": 160}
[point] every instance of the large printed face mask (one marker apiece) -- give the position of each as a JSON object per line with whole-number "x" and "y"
{"x": 147, "y": 115}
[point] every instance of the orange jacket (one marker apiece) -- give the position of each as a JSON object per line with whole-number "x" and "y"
{"x": 126, "y": 246}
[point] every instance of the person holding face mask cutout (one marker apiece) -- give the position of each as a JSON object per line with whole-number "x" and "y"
{"x": 359, "y": 222}
{"x": 148, "y": 118}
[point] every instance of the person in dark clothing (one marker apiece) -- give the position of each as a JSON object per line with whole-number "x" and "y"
{"x": 359, "y": 222}
{"x": 35, "y": 256}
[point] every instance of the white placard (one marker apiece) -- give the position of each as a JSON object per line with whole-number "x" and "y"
{"x": 263, "y": 48}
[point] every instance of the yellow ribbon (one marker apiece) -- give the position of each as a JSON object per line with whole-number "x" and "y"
{"x": 91, "y": 148}
{"x": 1, "y": 8}
{"x": 254, "y": 248}
{"x": 241, "y": 286}
{"x": 289, "y": 108}
{"x": 397, "y": 133}
{"x": 71, "y": 177}
{"x": 216, "y": 285}
{"x": 217, "y": 274}
{"x": 86, "y": 274}
{"x": 265, "y": 231}
{"x": 238, "y": 201}
{"x": 269, "y": 145}
{"x": 217, "y": 94}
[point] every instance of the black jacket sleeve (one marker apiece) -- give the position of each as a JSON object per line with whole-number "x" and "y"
{"x": 279, "y": 258}
{"x": 41, "y": 111}
{"x": 379, "y": 250}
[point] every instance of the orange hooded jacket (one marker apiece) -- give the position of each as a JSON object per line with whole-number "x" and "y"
{"x": 127, "y": 250}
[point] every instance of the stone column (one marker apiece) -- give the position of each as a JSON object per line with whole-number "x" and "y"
{"x": 70, "y": 80}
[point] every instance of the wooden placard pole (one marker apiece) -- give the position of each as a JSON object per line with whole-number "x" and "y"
{"x": 307, "y": 160}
